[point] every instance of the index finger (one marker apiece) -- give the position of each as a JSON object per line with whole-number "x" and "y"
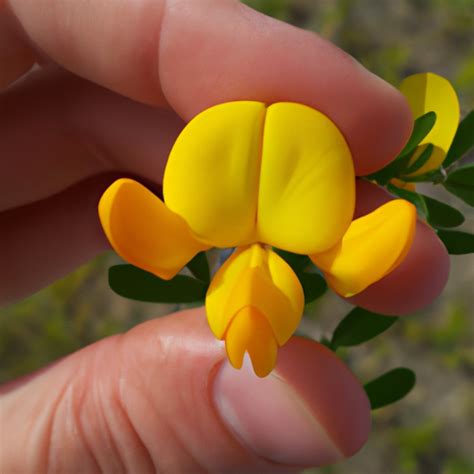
{"x": 194, "y": 54}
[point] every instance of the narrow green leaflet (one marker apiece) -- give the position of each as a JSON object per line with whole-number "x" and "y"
{"x": 441, "y": 214}
{"x": 463, "y": 140}
{"x": 457, "y": 242}
{"x": 199, "y": 267}
{"x": 397, "y": 167}
{"x": 314, "y": 286}
{"x": 392, "y": 170}
{"x": 414, "y": 198}
{"x": 421, "y": 128}
{"x": 434, "y": 176}
{"x": 132, "y": 282}
{"x": 297, "y": 262}
{"x": 359, "y": 326}
{"x": 390, "y": 387}
{"x": 460, "y": 182}
{"x": 420, "y": 161}
{"x": 437, "y": 213}
{"x": 326, "y": 342}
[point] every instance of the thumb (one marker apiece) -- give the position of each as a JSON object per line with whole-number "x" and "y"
{"x": 159, "y": 399}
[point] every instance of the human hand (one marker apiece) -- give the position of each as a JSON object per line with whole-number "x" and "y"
{"x": 117, "y": 81}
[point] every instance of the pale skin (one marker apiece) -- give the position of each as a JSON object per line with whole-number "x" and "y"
{"x": 117, "y": 82}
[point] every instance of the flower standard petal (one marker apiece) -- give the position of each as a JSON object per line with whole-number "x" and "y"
{"x": 428, "y": 92}
{"x": 372, "y": 247}
{"x": 307, "y": 184}
{"x": 144, "y": 232}
{"x": 211, "y": 178}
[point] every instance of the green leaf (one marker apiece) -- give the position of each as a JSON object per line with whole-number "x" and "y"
{"x": 314, "y": 286}
{"x": 463, "y": 140}
{"x": 414, "y": 198}
{"x": 420, "y": 161}
{"x": 434, "y": 176}
{"x": 296, "y": 261}
{"x": 460, "y": 182}
{"x": 397, "y": 167}
{"x": 326, "y": 342}
{"x": 457, "y": 242}
{"x": 392, "y": 170}
{"x": 421, "y": 128}
{"x": 441, "y": 214}
{"x": 199, "y": 267}
{"x": 390, "y": 387}
{"x": 359, "y": 326}
{"x": 437, "y": 213}
{"x": 137, "y": 284}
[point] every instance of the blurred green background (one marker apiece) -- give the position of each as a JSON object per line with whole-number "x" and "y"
{"x": 429, "y": 432}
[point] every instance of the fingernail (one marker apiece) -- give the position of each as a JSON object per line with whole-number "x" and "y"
{"x": 269, "y": 417}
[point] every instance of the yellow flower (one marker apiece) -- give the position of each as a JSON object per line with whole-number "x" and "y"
{"x": 251, "y": 176}
{"x": 428, "y": 92}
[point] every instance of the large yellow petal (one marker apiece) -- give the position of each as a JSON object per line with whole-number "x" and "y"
{"x": 211, "y": 178}
{"x": 428, "y": 92}
{"x": 306, "y": 196}
{"x": 144, "y": 232}
{"x": 372, "y": 247}
{"x": 256, "y": 277}
{"x": 250, "y": 332}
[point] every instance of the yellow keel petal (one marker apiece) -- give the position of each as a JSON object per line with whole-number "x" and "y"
{"x": 250, "y": 332}
{"x": 372, "y": 247}
{"x": 256, "y": 277}
{"x": 144, "y": 232}
{"x": 428, "y": 92}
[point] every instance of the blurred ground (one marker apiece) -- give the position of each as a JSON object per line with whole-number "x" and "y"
{"x": 429, "y": 432}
